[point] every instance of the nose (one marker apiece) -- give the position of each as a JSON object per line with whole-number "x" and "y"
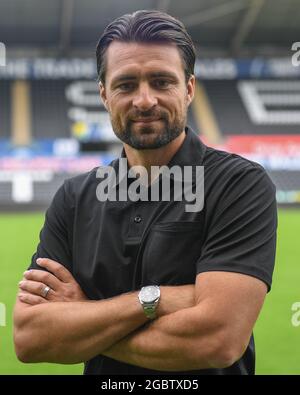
{"x": 144, "y": 99}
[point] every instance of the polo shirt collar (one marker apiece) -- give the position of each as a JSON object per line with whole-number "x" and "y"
{"x": 190, "y": 153}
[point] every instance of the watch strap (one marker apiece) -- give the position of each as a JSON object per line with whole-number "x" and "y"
{"x": 150, "y": 311}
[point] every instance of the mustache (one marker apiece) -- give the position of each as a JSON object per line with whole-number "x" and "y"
{"x": 148, "y": 114}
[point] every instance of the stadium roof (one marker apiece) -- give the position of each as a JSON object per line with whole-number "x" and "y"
{"x": 230, "y": 27}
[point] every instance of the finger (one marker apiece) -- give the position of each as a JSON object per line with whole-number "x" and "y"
{"x": 34, "y": 287}
{"x": 41, "y": 276}
{"x": 30, "y": 299}
{"x": 56, "y": 268}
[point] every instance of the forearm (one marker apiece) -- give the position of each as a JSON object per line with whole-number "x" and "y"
{"x": 214, "y": 333}
{"x": 72, "y": 332}
{"x": 184, "y": 340}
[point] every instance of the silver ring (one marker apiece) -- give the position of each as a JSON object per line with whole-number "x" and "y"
{"x": 46, "y": 291}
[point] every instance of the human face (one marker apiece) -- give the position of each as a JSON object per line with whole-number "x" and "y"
{"x": 146, "y": 93}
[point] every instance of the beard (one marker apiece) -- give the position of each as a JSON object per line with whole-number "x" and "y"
{"x": 149, "y": 136}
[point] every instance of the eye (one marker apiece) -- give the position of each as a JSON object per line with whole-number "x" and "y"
{"x": 126, "y": 87}
{"x": 161, "y": 84}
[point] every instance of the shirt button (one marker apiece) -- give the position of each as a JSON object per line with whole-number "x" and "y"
{"x": 137, "y": 219}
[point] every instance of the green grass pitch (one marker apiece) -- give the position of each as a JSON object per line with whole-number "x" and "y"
{"x": 277, "y": 340}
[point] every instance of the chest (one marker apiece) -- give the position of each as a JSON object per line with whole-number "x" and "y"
{"x": 120, "y": 249}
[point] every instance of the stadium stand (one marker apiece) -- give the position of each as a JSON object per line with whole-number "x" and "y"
{"x": 5, "y": 110}
{"x": 229, "y": 100}
{"x": 49, "y": 124}
{"x": 49, "y": 109}
{"x": 53, "y": 126}
{"x": 287, "y": 182}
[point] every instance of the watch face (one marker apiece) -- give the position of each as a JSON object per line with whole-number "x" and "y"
{"x": 150, "y": 294}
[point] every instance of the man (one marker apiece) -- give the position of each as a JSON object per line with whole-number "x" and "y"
{"x": 132, "y": 287}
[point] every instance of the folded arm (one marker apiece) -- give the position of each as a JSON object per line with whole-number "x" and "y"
{"x": 212, "y": 334}
{"x": 203, "y": 326}
{"x": 75, "y": 331}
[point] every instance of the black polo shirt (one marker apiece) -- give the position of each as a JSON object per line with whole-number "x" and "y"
{"x": 114, "y": 247}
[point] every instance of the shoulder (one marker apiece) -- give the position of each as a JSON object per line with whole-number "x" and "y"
{"x": 217, "y": 159}
{"x": 83, "y": 185}
{"x": 75, "y": 184}
{"x": 222, "y": 167}
{"x": 231, "y": 179}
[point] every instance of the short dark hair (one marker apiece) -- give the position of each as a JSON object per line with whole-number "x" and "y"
{"x": 147, "y": 26}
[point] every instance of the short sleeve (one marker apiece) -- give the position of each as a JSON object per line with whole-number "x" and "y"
{"x": 56, "y": 235}
{"x": 241, "y": 233}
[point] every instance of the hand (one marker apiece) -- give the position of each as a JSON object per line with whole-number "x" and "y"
{"x": 63, "y": 286}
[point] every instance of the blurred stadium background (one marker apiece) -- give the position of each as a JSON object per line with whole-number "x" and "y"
{"x": 52, "y": 126}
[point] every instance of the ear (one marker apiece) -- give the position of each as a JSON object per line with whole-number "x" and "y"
{"x": 191, "y": 89}
{"x": 102, "y": 92}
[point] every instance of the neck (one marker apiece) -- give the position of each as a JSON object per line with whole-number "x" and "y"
{"x": 153, "y": 157}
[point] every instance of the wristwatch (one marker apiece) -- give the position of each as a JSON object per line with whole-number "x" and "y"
{"x": 149, "y": 297}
